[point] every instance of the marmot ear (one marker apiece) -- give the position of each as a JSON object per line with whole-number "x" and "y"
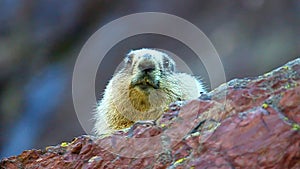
{"x": 172, "y": 67}
{"x": 128, "y": 59}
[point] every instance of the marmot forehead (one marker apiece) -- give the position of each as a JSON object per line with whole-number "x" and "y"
{"x": 160, "y": 58}
{"x": 144, "y": 51}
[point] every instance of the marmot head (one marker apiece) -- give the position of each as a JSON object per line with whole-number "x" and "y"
{"x": 147, "y": 67}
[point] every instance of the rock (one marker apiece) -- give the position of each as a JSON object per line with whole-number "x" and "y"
{"x": 245, "y": 123}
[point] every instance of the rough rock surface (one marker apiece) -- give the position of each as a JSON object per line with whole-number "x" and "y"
{"x": 245, "y": 123}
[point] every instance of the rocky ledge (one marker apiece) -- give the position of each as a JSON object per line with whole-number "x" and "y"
{"x": 245, "y": 123}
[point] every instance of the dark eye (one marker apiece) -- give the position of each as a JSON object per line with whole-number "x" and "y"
{"x": 166, "y": 64}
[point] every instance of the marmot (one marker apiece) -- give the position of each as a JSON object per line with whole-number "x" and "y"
{"x": 142, "y": 89}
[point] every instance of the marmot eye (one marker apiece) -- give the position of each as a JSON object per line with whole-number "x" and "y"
{"x": 166, "y": 64}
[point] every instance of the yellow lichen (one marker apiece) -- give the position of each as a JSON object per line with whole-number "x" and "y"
{"x": 295, "y": 127}
{"x": 163, "y": 125}
{"x": 179, "y": 161}
{"x": 265, "y": 105}
{"x": 287, "y": 86}
{"x": 64, "y": 144}
{"x": 285, "y": 67}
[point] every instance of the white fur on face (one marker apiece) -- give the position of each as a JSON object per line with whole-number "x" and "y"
{"x": 161, "y": 58}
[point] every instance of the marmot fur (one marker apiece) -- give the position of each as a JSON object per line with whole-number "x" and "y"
{"x": 142, "y": 89}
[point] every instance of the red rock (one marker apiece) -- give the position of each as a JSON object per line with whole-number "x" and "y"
{"x": 246, "y": 123}
{"x": 290, "y": 104}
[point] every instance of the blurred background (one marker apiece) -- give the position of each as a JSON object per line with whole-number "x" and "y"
{"x": 41, "y": 39}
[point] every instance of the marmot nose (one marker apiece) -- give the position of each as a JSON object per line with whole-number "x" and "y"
{"x": 146, "y": 66}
